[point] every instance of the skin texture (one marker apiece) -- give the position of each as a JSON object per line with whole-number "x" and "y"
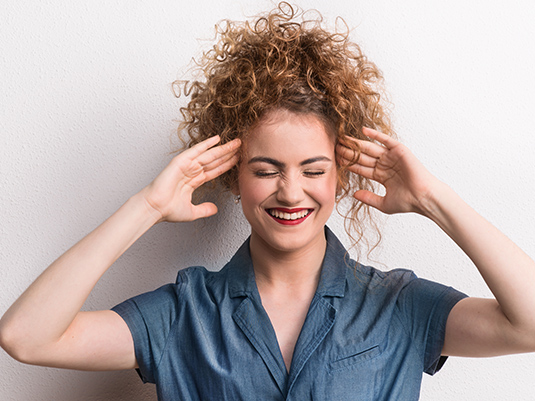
{"x": 476, "y": 327}
{"x": 45, "y": 325}
{"x": 289, "y": 165}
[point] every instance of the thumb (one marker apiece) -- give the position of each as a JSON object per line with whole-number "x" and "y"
{"x": 203, "y": 210}
{"x": 369, "y": 198}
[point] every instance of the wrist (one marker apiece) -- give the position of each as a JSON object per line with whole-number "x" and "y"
{"x": 144, "y": 209}
{"x": 433, "y": 204}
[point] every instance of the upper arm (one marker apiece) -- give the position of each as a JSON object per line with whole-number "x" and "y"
{"x": 98, "y": 340}
{"x": 477, "y": 327}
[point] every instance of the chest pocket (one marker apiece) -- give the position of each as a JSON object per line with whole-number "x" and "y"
{"x": 357, "y": 372}
{"x": 357, "y": 358}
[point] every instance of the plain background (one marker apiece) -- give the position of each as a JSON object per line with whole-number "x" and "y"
{"x": 86, "y": 113}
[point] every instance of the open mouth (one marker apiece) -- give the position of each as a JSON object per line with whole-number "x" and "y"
{"x": 289, "y": 216}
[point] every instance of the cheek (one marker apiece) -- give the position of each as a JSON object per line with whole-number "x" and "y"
{"x": 328, "y": 187}
{"x": 253, "y": 190}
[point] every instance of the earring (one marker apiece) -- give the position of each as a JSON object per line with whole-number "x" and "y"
{"x": 237, "y": 199}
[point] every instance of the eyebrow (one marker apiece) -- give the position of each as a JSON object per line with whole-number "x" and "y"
{"x": 277, "y": 163}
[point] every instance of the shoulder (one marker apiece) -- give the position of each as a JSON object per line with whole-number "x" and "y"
{"x": 195, "y": 275}
{"x": 401, "y": 287}
{"x": 189, "y": 281}
{"x": 198, "y": 278}
{"x": 371, "y": 277}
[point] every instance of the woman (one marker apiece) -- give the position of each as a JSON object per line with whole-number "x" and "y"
{"x": 290, "y": 316}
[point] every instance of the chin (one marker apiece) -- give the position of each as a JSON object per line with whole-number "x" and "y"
{"x": 289, "y": 242}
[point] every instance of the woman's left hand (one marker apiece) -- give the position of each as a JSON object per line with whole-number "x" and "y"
{"x": 476, "y": 327}
{"x": 407, "y": 182}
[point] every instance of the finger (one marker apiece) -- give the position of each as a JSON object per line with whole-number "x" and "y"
{"x": 192, "y": 167}
{"x": 369, "y": 198}
{"x": 182, "y": 162}
{"x": 366, "y": 172}
{"x": 201, "y": 177}
{"x": 345, "y": 154}
{"x": 217, "y": 152}
{"x": 201, "y": 147}
{"x": 364, "y": 146}
{"x": 378, "y": 136}
{"x": 362, "y": 159}
{"x": 371, "y": 149}
{"x": 209, "y": 164}
{"x": 367, "y": 161}
{"x": 216, "y": 171}
{"x": 203, "y": 210}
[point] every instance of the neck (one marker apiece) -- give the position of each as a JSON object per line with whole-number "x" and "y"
{"x": 295, "y": 268}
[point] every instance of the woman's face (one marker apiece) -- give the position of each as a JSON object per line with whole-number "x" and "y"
{"x": 287, "y": 181}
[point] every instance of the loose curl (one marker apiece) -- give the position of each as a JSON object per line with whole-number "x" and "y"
{"x": 285, "y": 60}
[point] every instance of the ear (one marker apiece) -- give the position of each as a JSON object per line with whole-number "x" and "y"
{"x": 235, "y": 189}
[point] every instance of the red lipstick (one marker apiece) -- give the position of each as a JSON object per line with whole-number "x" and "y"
{"x": 287, "y": 222}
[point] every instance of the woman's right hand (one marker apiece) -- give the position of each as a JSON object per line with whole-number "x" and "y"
{"x": 45, "y": 325}
{"x": 168, "y": 197}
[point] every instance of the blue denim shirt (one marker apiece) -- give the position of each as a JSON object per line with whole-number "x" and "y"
{"x": 368, "y": 335}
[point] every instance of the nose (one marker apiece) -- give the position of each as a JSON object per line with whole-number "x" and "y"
{"x": 290, "y": 191}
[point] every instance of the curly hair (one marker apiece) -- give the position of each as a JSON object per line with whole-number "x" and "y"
{"x": 285, "y": 60}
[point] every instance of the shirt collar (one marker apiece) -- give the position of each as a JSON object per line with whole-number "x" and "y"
{"x": 333, "y": 271}
{"x": 241, "y": 274}
{"x": 334, "y": 267}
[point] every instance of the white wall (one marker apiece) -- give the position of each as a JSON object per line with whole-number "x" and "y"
{"x": 86, "y": 113}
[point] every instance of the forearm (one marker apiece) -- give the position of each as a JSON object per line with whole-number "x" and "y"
{"x": 507, "y": 270}
{"x": 45, "y": 310}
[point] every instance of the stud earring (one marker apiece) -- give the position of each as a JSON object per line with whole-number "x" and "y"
{"x": 237, "y": 199}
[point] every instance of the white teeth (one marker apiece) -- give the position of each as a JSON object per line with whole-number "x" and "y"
{"x": 288, "y": 216}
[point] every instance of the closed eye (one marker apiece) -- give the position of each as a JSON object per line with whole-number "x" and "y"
{"x": 314, "y": 173}
{"x": 268, "y": 173}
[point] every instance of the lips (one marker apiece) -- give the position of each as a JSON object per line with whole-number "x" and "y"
{"x": 289, "y": 216}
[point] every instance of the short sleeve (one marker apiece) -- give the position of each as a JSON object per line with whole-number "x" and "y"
{"x": 150, "y": 317}
{"x": 425, "y": 307}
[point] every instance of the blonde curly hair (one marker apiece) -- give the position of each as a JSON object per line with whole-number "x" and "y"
{"x": 286, "y": 60}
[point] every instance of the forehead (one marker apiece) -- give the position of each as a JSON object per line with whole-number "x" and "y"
{"x": 285, "y": 133}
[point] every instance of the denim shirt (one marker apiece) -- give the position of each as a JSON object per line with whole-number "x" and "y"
{"x": 368, "y": 334}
